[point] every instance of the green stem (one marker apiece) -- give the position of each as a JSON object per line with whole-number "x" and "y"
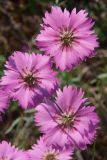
{"x": 56, "y": 1}
{"x": 94, "y": 145}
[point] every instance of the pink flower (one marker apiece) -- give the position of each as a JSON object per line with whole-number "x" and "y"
{"x": 41, "y": 151}
{"x": 8, "y": 152}
{"x": 68, "y": 121}
{"x": 67, "y": 37}
{"x": 29, "y": 78}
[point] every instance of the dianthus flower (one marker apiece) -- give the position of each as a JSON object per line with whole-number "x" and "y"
{"x": 29, "y": 78}
{"x": 68, "y": 121}
{"x": 67, "y": 37}
{"x": 41, "y": 151}
{"x": 8, "y": 152}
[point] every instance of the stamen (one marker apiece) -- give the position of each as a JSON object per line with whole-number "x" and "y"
{"x": 67, "y": 120}
{"x": 50, "y": 157}
{"x": 66, "y": 38}
{"x": 30, "y": 80}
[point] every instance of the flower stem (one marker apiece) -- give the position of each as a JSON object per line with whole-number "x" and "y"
{"x": 94, "y": 145}
{"x": 56, "y": 1}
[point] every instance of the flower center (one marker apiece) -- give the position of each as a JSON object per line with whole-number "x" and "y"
{"x": 67, "y": 120}
{"x": 30, "y": 80}
{"x": 66, "y": 38}
{"x": 50, "y": 157}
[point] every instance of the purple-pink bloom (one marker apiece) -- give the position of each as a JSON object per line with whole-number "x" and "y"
{"x": 29, "y": 78}
{"x": 68, "y": 121}
{"x": 8, "y": 152}
{"x": 67, "y": 37}
{"x": 41, "y": 151}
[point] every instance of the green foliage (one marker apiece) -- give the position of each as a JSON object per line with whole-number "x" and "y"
{"x": 72, "y": 78}
{"x": 32, "y": 5}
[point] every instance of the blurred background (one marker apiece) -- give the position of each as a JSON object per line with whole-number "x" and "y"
{"x": 19, "y": 23}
